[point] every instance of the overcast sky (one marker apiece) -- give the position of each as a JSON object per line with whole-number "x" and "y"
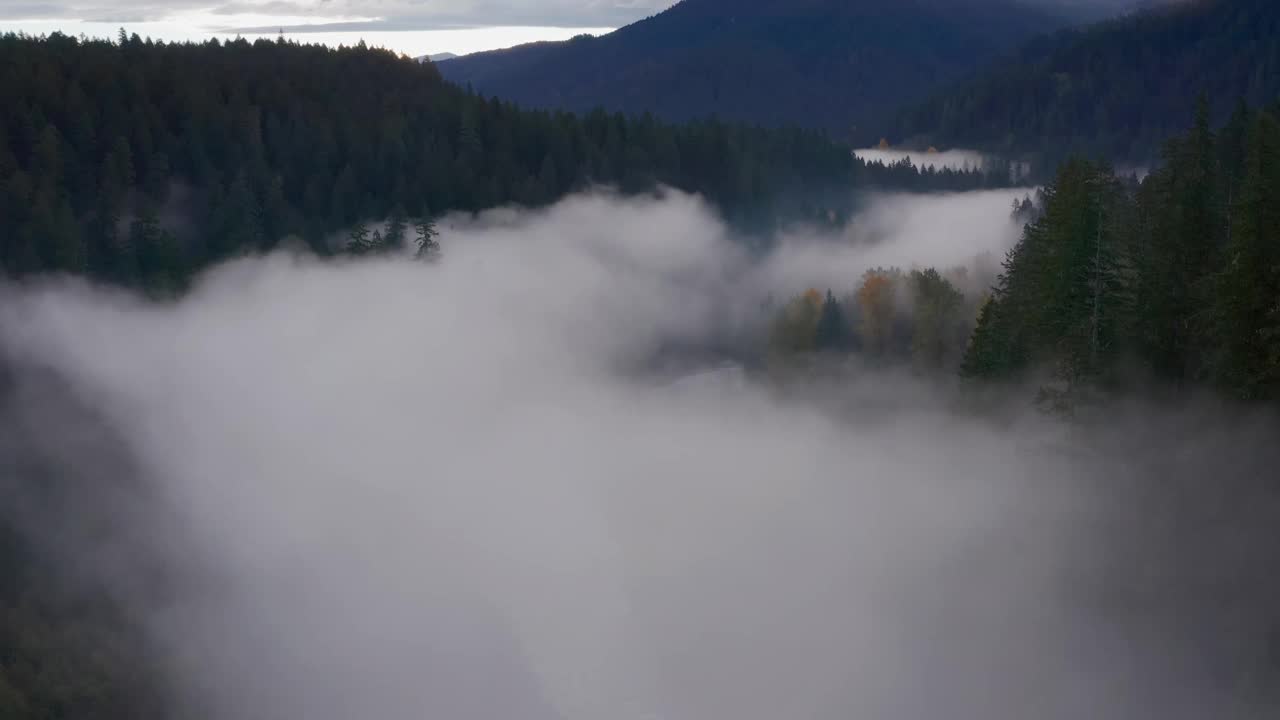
{"x": 411, "y": 26}
{"x": 416, "y": 27}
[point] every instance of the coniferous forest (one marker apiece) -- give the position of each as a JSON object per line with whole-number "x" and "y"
{"x": 1117, "y": 88}
{"x": 1115, "y": 283}
{"x": 141, "y": 162}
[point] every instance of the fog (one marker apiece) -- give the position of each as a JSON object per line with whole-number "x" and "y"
{"x": 899, "y": 230}
{"x": 947, "y": 159}
{"x": 390, "y": 489}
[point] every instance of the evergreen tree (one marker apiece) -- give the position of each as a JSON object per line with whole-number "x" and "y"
{"x": 937, "y": 331}
{"x": 832, "y": 330}
{"x": 397, "y": 229}
{"x": 1183, "y": 243}
{"x": 1244, "y": 310}
{"x": 428, "y": 244}
{"x": 358, "y": 241}
{"x": 1064, "y": 298}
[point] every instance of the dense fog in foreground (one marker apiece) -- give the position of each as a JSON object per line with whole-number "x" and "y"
{"x": 388, "y": 489}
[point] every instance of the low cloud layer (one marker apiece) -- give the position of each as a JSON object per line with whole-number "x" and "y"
{"x": 453, "y": 491}
{"x": 372, "y": 14}
{"x": 948, "y": 159}
{"x": 408, "y": 14}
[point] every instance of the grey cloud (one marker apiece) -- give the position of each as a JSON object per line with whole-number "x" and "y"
{"x": 476, "y": 13}
{"x": 126, "y": 11}
{"x": 31, "y": 10}
{"x": 395, "y": 14}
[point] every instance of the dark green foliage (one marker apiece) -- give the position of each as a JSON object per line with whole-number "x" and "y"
{"x": 1179, "y": 240}
{"x": 938, "y": 323}
{"x": 832, "y": 332}
{"x": 1243, "y": 319}
{"x": 1118, "y": 88}
{"x": 360, "y": 243}
{"x": 235, "y": 146}
{"x": 428, "y": 245}
{"x": 1178, "y": 277}
{"x": 397, "y": 229}
{"x": 832, "y": 64}
{"x": 1062, "y": 301}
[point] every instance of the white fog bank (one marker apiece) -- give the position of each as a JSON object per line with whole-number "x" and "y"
{"x": 944, "y": 160}
{"x": 434, "y": 491}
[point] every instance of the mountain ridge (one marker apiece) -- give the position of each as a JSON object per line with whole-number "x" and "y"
{"x": 1116, "y": 88}
{"x": 829, "y": 64}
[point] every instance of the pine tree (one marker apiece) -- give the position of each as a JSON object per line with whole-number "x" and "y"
{"x": 988, "y": 356}
{"x": 1182, "y": 244}
{"x": 428, "y": 245}
{"x": 937, "y": 334}
{"x": 358, "y": 240}
{"x": 832, "y": 331}
{"x": 1243, "y": 342}
{"x": 397, "y": 229}
{"x": 1064, "y": 297}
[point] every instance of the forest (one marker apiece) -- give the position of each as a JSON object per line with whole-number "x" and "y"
{"x": 140, "y": 162}
{"x": 1165, "y": 284}
{"x": 1115, "y": 89}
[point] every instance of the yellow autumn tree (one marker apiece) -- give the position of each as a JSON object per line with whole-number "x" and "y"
{"x": 876, "y": 309}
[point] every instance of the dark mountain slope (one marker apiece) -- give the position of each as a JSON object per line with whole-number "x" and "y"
{"x": 819, "y": 63}
{"x": 1117, "y": 88}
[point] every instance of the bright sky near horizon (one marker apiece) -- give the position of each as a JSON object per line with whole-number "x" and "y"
{"x": 414, "y": 27}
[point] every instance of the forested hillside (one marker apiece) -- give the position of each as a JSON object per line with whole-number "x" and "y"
{"x": 141, "y": 162}
{"x": 1116, "y": 89}
{"x": 1178, "y": 279}
{"x": 832, "y": 64}
{"x": 1172, "y": 283}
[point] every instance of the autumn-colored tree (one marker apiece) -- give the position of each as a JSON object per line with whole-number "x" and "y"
{"x": 877, "y": 298}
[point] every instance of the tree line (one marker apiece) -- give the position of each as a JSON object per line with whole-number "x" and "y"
{"x": 140, "y": 162}
{"x": 1117, "y": 88}
{"x": 1114, "y": 284}
{"x": 920, "y": 318}
{"x": 1176, "y": 278}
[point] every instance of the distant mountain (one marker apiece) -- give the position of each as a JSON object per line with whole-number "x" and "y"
{"x": 831, "y": 64}
{"x": 1117, "y": 88}
{"x": 438, "y": 57}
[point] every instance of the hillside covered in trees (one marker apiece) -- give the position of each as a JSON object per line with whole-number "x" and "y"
{"x": 839, "y": 65}
{"x": 140, "y": 162}
{"x": 1116, "y": 89}
{"x": 1178, "y": 279}
{"x": 1168, "y": 284}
